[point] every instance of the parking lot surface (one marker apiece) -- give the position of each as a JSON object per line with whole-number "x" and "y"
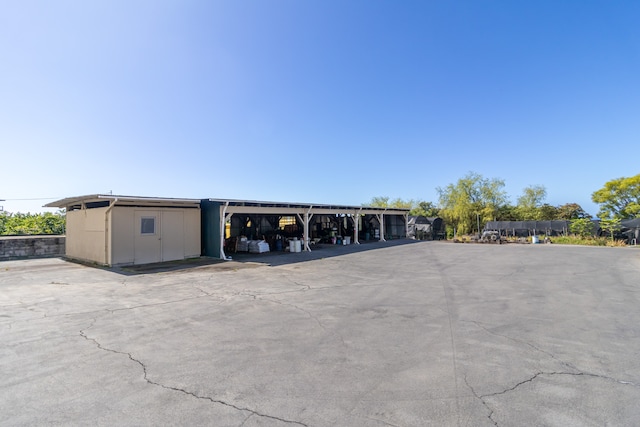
{"x": 385, "y": 334}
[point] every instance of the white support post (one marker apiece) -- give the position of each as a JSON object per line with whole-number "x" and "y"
{"x": 381, "y": 221}
{"x": 305, "y": 232}
{"x": 304, "y": 229}
{"x": 406, "y": 225}
{"x": 307, "y": 236}
{"x": 356, "y": 226}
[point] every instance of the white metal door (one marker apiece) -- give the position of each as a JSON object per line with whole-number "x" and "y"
{"x": 147, "y": 241}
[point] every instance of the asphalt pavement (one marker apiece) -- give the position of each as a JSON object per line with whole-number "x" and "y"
{"x": 401, "y": 333}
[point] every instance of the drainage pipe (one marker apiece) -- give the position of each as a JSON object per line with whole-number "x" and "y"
{"x": 106, "y": 230}
{"x": 223, "y": 230}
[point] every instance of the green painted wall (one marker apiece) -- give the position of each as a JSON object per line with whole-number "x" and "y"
{"x": 210, "y": 228}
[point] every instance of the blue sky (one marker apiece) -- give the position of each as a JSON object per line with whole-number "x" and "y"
{"x": 315, "y": 101}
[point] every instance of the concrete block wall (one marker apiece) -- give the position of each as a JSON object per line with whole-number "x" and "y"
{"x": 15, "y": 247}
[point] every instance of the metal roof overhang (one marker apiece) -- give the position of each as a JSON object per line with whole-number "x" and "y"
{"x": 233, "y": 205}
{"x": 123, "y": 200}
{"x": 275, "y": 208}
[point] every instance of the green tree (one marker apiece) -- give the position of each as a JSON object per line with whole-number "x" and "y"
{"x": 571, "y": 211}
{"x": 619, "y": 198}
{"x": 471, "y": 200}
{"x": 427, "y": 209}
{"x": 386, "y": 202}
{"x": 416, "y": 207}
{"x": 610, "y": 225}
{"x": 379, "y": 202}
{"x": 530, "y": 201}
{"x": 507, "y": 212}
{"x": 582, "y": 227}
{"x": 547, "y": 212}
{"x": 401, "y": 204}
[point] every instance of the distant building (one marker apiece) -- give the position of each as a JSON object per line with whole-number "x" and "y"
{"x": 423, "y": 228}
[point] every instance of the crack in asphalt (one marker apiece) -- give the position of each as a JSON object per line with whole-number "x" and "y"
{"x": 251, "y": 412}
{"x": 577, "y": 373}
{"x": 221, "y": 299}
{"x": 382, "y": 421}
{"x": 306, "y": 287}
{"x": 482, "y": 397}
{"x": 484, "y": 403}
{"x": 554, "y": 357}
{"x": 246, "y": 419}
{"x": 113, "y": 310}
{"x": 311, "y": 316}
{"x": 202, "y": 291}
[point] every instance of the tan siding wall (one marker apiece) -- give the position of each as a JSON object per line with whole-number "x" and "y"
{"x": 123, "y": 235}
{"x": 192, "y": 233}
{"x": 125, "y": 232}
{"x": 85, "y": 235}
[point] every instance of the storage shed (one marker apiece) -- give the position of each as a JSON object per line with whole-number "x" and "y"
{"x": 419, "y": 228}
{"x": 121, "y": 230}
{"x": 422, "y": 228}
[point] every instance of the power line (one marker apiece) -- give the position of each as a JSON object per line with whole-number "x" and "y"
{"x": 34, "y": 199}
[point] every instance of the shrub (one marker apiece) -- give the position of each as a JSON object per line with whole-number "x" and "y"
{"x": 28, "y": 224}
{"x": 586, "y": 241}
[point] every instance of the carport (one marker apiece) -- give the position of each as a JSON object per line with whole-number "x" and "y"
{"x": 224, "y": 219}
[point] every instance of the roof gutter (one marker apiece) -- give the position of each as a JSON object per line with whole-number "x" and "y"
{"x": 147, "y": 199}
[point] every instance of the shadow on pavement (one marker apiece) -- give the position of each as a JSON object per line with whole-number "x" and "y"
{"x": 318, "y": 251}
{"x": 249, "y": 260}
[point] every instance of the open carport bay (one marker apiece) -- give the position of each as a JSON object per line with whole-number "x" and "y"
{"x": 422, "y": 333}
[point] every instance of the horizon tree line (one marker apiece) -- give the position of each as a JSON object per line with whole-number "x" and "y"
{"x": 474, "y": 200}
